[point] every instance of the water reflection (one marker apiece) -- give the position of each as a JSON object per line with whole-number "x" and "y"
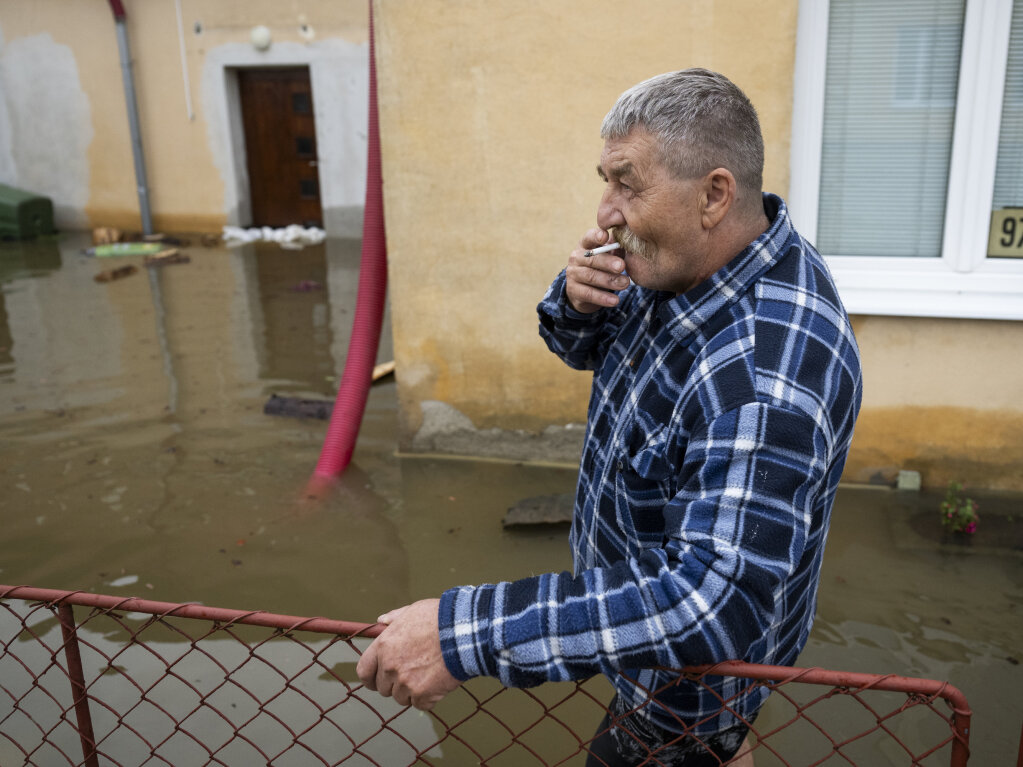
{"x": 19, "y": 260}
{"x": 307, "y": 294}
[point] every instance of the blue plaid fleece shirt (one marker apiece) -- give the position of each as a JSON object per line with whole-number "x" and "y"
{"x": 718, "y": 426}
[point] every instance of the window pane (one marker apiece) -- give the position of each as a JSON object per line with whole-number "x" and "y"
{"x": 889, "y": 110}
{"x": 1007, "y": 226}
{"x": 301, "y": 104}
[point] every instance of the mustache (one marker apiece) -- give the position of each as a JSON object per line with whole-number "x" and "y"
{"x": 630, "y": 243}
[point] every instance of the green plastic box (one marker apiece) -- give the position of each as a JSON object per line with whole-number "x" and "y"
{"x": 23, "y": 214}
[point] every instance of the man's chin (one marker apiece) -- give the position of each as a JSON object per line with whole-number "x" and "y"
{"x": 636, "y": 261}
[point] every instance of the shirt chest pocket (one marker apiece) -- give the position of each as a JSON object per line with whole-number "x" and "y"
{"x": 644, "y": 483}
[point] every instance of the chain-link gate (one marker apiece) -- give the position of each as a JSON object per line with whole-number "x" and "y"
{"x": 136, "y": 682}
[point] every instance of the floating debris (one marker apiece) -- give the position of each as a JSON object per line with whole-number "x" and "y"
{"x": 166, "y": 239}
{"x": 166, "y": 257}
{"x": 104, "y": 235}
{"x": 541, "y": 510}
{"x": 116, "y": 274}
{"x": 294, "y": 407}
{"x": 382, "y": 370}
{"x": 126, "y": 249}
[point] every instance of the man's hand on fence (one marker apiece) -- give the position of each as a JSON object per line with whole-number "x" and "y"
{"x": 405, "y": 661}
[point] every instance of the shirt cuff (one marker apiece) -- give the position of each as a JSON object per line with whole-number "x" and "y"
{"x": 464, "y": 619}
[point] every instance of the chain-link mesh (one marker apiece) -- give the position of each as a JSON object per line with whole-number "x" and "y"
{"x": 94, "y": 680}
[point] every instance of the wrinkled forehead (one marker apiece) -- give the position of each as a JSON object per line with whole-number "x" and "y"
{"x": 637, "y": 152}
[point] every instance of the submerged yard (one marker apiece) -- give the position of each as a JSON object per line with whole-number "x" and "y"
{"x": 135, "y": 458}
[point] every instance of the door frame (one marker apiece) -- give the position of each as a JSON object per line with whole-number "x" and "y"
{"x": 339, "y": 77}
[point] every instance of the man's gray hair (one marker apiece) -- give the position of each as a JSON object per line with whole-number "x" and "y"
{"x": 702, "y": 120}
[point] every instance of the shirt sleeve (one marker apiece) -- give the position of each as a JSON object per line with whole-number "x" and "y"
{"x": 734, "y": 533}
{"x": 580, "y": 340}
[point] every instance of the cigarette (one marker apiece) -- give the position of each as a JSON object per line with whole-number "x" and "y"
{"x": 602, "y": 249}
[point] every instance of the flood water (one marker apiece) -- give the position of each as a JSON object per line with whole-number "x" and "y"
{"x": 135, "y": 459}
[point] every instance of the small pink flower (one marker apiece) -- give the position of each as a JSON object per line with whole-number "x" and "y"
{"x": 972, "y": 527}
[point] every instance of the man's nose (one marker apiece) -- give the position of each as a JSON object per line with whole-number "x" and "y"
{"x": 608, "y": 213}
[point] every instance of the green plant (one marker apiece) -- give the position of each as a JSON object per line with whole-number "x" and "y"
{"x": 958, "y": 514}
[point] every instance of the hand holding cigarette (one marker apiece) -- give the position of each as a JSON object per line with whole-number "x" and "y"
{"x": 594, "y": 273}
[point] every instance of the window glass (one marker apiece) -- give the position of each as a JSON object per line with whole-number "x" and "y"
{"x": 889, "y": 110}
{"x": 1007, "y": 215}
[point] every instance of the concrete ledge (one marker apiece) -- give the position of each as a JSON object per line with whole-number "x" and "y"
{"x": 445, "y": 430}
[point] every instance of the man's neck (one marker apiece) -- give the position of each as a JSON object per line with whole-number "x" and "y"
{"x": 735, "y": 236}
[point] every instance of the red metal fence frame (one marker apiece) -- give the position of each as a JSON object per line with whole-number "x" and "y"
{"x": 918, "y": 692}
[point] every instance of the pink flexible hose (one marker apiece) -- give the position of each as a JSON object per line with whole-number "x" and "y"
{"x": 369, "y": 307}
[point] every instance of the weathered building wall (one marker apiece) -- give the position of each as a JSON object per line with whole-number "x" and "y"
{"x": 47, "y": 118}
{"x": 64, "y": 126}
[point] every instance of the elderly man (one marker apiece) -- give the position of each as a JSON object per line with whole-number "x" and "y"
{"x": 726, "y": 382}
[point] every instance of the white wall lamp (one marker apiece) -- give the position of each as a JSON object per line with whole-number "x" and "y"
{"x": 260, "y": 37}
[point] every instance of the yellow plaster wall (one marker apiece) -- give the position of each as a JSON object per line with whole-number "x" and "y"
{"x": 186, "y": 190}
{"x": 490, "y": 117}
{"x": 943, "y": 397}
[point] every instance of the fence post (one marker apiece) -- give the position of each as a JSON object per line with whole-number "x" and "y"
{"x": 73, "y": 655}
{"x": 960, "y": 737}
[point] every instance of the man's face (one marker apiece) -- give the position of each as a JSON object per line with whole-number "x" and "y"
{"x": 652, "y": 213}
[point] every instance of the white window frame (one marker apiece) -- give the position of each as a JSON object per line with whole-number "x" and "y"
{"x": 963, "y": 282}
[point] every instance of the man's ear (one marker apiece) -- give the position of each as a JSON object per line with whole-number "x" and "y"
{"x": 719, "y": 191}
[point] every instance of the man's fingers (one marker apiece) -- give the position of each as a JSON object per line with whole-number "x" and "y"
{"x": 367, "y": 667}
{"x": 425, "y": 702}
{"x": 384, "y": 683}
{"x": 588, "y": 300}
{"x": 610, "y": 277}
{"x": 594, "y": 238}
{"x": 392, "y": 615}
{"x": 370, "y": 671}
{"x": 406, "y": 696}
{"x": 587, "y": 285}
{"x": 375, "y": 673}
{"x": 584, "y": 295}
{"x": 605, "y": 271}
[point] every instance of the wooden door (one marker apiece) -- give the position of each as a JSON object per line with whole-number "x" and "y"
{"x": 280, "y": 146}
